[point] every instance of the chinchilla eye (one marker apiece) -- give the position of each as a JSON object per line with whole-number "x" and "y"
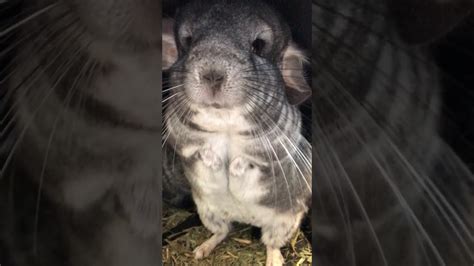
{"x": 187, "y": 41}
{"x": 258, "y": 46}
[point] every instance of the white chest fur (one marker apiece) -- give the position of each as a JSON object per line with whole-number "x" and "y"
{"x": 221, "y": 120}
{"x": 234, "y": 197}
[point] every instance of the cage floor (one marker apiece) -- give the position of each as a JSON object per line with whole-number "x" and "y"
{"x": 240, "y": 248}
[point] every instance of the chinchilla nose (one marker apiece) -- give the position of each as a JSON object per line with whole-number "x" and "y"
{"x": 213, "y": 79}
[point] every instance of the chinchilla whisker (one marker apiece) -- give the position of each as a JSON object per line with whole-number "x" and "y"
{"x": 263, "y": 82}
{"x": 280, "y": 132}
{"x": 28, "y": 82}
{"x": 407, "y": 210}
{"x": 300, "y": 77}
{"x": 259, "y": 65}
{"x": 175, "y": 87}
{"x": 401, "y": 48}
{"x": 389, "y": 81}
{"x": 396, "y": 191}
{"x": 30, "y": 36}
{"x": 255, "y": 66}
{"x": 259, "y": 80}
{"x": 272, "y": 163}
{"x": 84, "y": 77}
{"x": 416, "y": 175}
{"x": 166, "y": 81}
{"x": 340, "y": 89}
{"x": 24, "y": 129}
{"x": 80, "y": 101}
{"x": 299, "y": 152}
{"x": 29, "y": 18}
{"x": 267, "y": 153}
{"x": 281, "y": 169}
{"x": 170, "y": 97}
{"x": 7, "y": 121}
{"x": 301, "y": 174}
{"x": 433, "y": 192}
{"x": 165, "y": 105}
{"x": 253, "y": 104}
{"x": 174, "y": 73}
{"x": 265, "y": 70}
{"x": 16, "y": 43}
{"x": 444, "y": 206}
{"x": 330, "y": 151}
{"x": 380, "y": 15}
{"x": 167, "y": 84}
{"x": 327, "y": 170}
{"x": 426, "y": 184}
{"x": 179, "y": 71}
{"x": 183, "y": 113}
{"x": 181, "y": 108}
{"x": 264, "y": 96}
{"x": 368, "y": 7}
{"x": 37, "y": 71}
{"x": 256, "y": 87}
{"x": 165, "y": 139}
{"x": 46, "y": 155}
{"x": 296, "y": 165}
{"x": 39, "y": 49}
{"x": 40, "y": 185}
{"x": 180, "y": 97}
{"x": 269, "y": 71}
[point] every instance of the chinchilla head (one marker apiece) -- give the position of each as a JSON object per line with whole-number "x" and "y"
{"x": 226, "y": 53}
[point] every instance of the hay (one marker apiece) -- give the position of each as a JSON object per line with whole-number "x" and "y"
{"x": 240, "y": 248}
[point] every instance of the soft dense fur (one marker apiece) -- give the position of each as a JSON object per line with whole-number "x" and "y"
{"x": 81, "y": 181}
{"x": 234, "y": 130}
{"x": 389, "y": 191}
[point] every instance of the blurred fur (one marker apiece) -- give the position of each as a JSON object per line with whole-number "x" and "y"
{"x": 80, "y": 176}
{"x": 389, "y": 191}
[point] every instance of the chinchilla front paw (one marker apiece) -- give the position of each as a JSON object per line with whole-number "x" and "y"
{"x": 210, "y": 158}
{"x": 238, "y": 166}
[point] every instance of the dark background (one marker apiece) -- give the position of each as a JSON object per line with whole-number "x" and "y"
{"x": 455, "y": 57}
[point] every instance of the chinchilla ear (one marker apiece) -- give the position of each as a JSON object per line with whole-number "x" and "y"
{"x": 169, "y": 53}
{"x": 423, "y": 21}
{"x": 292, "y": 70}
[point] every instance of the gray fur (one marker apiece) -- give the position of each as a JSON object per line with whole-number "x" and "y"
{"x": 267, "y": 129}
{"x": 383, "y": 174}
{"x": 84, "y": 184}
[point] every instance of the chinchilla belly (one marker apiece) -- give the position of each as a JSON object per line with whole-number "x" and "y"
{"x": 228, "y": 197}
{"x": 213, "y": 194}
